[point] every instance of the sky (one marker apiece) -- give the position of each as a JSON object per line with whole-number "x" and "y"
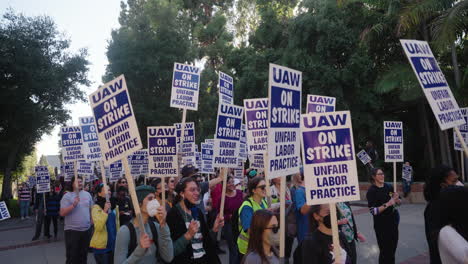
{"x": 88, "y": 24}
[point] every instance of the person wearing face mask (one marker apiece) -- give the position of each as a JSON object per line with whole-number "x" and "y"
{"x": 104, "y": 215}
{"x": 254, "y": 201}
{"x": 441, "y": 178}
{"x": 381, "y": 201}
{"x": 317, "y": 246}
{"x": 153, "y": 246}
{"x": 263, "y": 240}
{"x": 189, "y": 231}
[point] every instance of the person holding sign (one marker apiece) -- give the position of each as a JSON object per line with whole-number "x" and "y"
{"x": 317, "y": 247}
{"x": 381, "y": 201}
{"x": 407, "y": 178}
{"x": 152, "y": 246}
{"x": 75, "y": 207}
{"x": 189, "y": 231}
{"x": 348, "y": 227}
{"x": 264, "y": 239}
{"x": 254, "y": 202}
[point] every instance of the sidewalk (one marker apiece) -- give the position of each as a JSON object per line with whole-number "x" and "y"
{"x": 16, "y": 245}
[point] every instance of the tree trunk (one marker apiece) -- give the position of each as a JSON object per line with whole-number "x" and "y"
{"x": 456, "y": 69}
{"x": 6, "y": 187}
{"x": 442, "y": 148}
{"x": 448, "y": 149}
{"x": 427, "y": 130}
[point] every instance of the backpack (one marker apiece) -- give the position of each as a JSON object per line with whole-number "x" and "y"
{"x": 291, "y": 224}
{"x": 133, "y": 241}
{"x": 235, "y": 221}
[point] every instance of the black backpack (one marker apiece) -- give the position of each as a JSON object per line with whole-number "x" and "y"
{"x": 235, "y": 222}
{"x": 133, "y": 241}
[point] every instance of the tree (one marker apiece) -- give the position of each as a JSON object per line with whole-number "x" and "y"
{"x": 38, "y": 76}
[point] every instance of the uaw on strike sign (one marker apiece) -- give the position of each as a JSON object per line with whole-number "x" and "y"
{"x": 162, "y": 151}
{"x": 393, "y": 140}
{"x": 72, "y": 143}
{"x": 91, "y": 147}
{"x": 256, "y": 120}
{"x": 185, "y": 86}
{"x": 284, "y": 96}
{"x": 115, "y": 121}
{"x": 329, "y": 162}
{"x": 227, "y": 136}
{"x": 432, "y": 80}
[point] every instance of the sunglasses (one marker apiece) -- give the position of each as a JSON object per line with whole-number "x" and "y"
{"x": 274, "y": 229}
{"x": 123, "y": 182}
{"x": 261, "y": 187}
{"x": 171, "y": 181}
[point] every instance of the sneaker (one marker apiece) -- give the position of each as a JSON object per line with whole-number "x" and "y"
{"x": 27, "y": 217}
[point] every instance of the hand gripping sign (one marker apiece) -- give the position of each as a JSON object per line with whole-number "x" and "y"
{"x": 284, "y": 96}
{"x": 115, "y": 121}
{"x": 91, "y": 146}
{"x": 162, "y": 150}
{"x": 185, "y": 86}
{"x": 320, "y": 104}
{"x": 329, "y": 160}
{"x": 256, "y": 120}
{"x": 226, "y": 88}
{"x": 433, "y": 82}
{"x": 393, "y": 140}
{"x": 227, "y": 136}
{"x": 42, "y": 179}
{"x": 72, "y": 143}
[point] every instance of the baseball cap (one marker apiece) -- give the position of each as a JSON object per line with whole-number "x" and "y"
{"x": 188, "y": 170}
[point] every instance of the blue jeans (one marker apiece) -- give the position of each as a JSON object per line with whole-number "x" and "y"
{"x": 24, "y": 208}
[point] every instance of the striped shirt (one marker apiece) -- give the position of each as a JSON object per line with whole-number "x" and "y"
{"x": 197, "y": 241}
{"x": 24, "y": 194}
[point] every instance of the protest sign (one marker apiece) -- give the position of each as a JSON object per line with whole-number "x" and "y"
{"x": 256, "y": 161}
{"x": 256, "y": 120}
{"x": 207, "y": 158}
{"x": 185, "y": 86}
{"x": 31, "y": 181}
{"x": 68, "y": 171}
{"x": 42, "y": 179}
{"x": 227, "y": 136}
{"x": 328, "y": 153}
{"x": 138, "y": 161}
{"x": 463, "y": 131}
{"x": 116, "y": 171}
{"x": 162, "y": 151}
{"x": 284, "y": 97}
{"x": 4, "y": 214}
{"x": 85, "y": 169}
{"x": 115, "y": 121}
{"x": 364, "y": 157}
{"x": 226, "y": 88}
{"x": 393, "y": 140}
{"x": 243, "y": 144}
{"x": 433, "y": 82}
{"x": 407, "y": 172}
{"x": 189, "y": 132}
{"x": 198, "y": 160}
{"x": 72, "y": 143}
{"x": 320, "y": 104}
{"x": 91, "y": 146}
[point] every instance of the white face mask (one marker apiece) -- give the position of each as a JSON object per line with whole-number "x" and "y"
{"x": 152, "y": 206}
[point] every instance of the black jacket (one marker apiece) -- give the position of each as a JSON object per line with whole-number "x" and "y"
{"x": 176, "y": 223}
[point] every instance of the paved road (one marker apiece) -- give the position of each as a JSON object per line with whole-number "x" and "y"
{"x": 16, "y": 245}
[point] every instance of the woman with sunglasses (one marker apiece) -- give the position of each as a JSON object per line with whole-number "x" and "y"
{"x": 106, "y": 223}
{"x": 381, "y": 201}
{"x": 254, "y": 202}
{"x": 189, "y": 231}
{"x": 317, "y": 246}
{"x": 263, "y": 240}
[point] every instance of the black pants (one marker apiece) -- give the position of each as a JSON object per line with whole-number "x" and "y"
{"x": 47, "y": 225}
{"x": 39, "y": 222}
{"x": 352, "y": 251}
{"x": 106, "y": 258}
{"x": 289, "y": 241}
{"x": 76, "y": 244}
{"x": 387, "y": 239}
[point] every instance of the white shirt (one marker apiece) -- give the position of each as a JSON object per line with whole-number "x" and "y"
{"x": 453, "y": 248}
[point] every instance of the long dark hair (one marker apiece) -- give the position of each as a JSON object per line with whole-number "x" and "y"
{"x": 373, "y": 173}
{"x": 436, "y": 178}
{"x": 454, "y": 209}
{"x": 252, "y": 185}
{"x": 180, "y": 187}
{"x": 313, "y": 224}
{"x": 260, "y": 221}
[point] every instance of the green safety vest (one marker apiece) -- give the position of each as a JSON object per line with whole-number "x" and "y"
{"x": 243, "y": 239}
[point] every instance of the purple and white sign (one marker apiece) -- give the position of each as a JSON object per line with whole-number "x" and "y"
{"x": 138, "y": 163}
{"x": 227, "y": 136}
{"x": 115, "y": 121}
{"x": 433, "y": 82}
{"x": 68, "y": 171}
{"x": 42, "y": 179}
{"x": 364, "y": 157}
{"x": 284, "y": 115}
{"x": 91, "y": 146}
{"x": 320, "y": 104}
{"x": 463, "y": 131}
{"x": 256, "y": 120}
{"x": 72, "y": 143}
{"x": 162, "y": 147}
{"x": 393, "y": 140}
{"x": 185, "y": 86}
{"x": 207, "y": 158}
{"x": 116, "y": 171}
{"x": 256, "y": 161}
{"x": 329, "y": 162}
{"x": 85, "y": 169}
{"x": 226, "y": 88}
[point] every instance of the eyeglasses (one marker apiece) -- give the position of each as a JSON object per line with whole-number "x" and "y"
{"x": 123, "y": 182}
{"x": 261, "y": 187}
{"x": 274, "y": 229}
{"x": 171, "y": 181}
